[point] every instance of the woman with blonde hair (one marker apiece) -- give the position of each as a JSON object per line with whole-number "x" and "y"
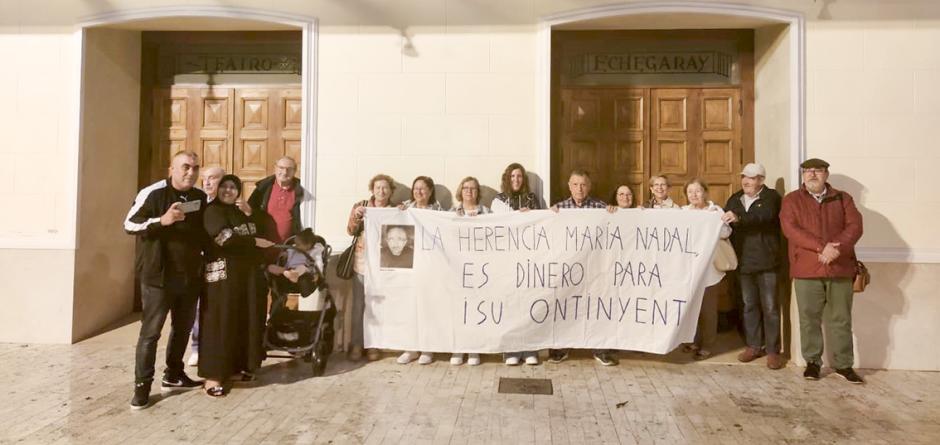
{"x": 468, "y": 204}
{"x": 659, "y": 188}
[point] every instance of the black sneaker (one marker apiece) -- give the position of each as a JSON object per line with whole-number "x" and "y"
{"x": 181, "y": 381}
{"x": 557, "y": 355}
{"x": 850, "y": 376}
{"x": 605, "y": 358}
{"x": 811, "y": 372}
{"x": 141, "y": 396}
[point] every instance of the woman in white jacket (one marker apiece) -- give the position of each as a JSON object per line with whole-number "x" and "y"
{"x": 697, "y": 193}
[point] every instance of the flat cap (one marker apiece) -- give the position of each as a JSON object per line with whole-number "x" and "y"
{"x": 814, "y": 163}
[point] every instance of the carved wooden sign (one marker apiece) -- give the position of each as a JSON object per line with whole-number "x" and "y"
{"x": 237, "y": 63}
{"x": 685, "y": 62}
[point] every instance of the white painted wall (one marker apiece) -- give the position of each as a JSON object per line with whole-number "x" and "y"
{"x": 873, "y": 109}
{"x": 441, "y": 101}
{"x": 37, "y": 173}
{"x": 772, "y": 104}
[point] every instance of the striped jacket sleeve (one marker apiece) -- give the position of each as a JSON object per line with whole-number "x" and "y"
{"x": 143, "y": 218}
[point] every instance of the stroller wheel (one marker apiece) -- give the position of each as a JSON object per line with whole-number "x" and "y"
{"x": 319, "y": 365}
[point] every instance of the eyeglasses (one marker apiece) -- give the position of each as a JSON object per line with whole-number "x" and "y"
{"x": 814, "y": 171}
{"x": 469, "y": 188}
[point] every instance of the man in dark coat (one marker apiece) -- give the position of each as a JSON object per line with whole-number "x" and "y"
{"x": 753, "y": 213}
{"x": 276, "y": 200}
{"x": 822, "y": 226}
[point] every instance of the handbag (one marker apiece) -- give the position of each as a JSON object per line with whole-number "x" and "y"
{"x": 344, "y": 267}
{"x": 862, "y": 277}
{"x": 725, "y": 259}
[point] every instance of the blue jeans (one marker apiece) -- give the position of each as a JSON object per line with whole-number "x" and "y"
{"x": 761, "y": 313}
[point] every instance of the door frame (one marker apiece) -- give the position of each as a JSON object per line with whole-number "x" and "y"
{"x": 309, "y": 31}
{"x": 796, "y": 70}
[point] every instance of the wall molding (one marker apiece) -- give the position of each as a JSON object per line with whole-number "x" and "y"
{"x": 308, "y": 173}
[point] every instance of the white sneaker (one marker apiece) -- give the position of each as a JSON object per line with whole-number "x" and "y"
{"x": 426, "y": 358}
{"x": 456, "y": 359}
{"x": 473, "y": 359}
{"x": 532, "y": 360}
{"x": 406, "y": 357}
{"x": 512, "y": 360}
{"x": 193, "y": 359}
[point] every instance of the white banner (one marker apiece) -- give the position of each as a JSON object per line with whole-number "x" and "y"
{"x": 631, "y": 280}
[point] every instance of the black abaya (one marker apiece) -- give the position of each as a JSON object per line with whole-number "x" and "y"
{"x": 232, "y": 311}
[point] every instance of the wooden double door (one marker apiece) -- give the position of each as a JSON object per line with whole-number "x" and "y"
{"x": 243, "y": 130}
{"x": 625, "y": 135}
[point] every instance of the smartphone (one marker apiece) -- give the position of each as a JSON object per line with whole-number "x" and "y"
{"x": 190, "y": 206}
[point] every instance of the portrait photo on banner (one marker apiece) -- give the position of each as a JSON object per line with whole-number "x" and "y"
{"x": 398, "y": 242}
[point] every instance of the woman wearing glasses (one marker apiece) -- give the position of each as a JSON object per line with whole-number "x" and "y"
{"x": 468, "y": 204}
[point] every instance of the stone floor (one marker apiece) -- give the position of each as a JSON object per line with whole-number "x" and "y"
{"x": 80, "y": 394}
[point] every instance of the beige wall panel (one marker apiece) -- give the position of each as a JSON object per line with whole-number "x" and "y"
{"x": 104, "y": 260}
{"x": 36, "y": 291}
{"x": 894, "y": 320}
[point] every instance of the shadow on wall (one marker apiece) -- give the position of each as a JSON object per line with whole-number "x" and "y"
{"x": 875, "y": 310}
{"x": 445, "y": 196}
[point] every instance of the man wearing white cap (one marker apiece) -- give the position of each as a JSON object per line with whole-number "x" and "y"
{"x": 753, "y": 213}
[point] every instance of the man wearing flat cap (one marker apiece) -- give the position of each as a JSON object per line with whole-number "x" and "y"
{"x": 822, "y": 225}
{"x": 753, "y": 213}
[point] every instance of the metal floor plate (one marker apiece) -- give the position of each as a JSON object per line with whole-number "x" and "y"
{"x": 525, "y": 386}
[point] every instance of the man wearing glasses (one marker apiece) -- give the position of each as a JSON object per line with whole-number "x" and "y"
{"x": 822, "y": 225}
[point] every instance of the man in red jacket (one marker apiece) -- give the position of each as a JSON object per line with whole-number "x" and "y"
{"x": 822, "y": 225}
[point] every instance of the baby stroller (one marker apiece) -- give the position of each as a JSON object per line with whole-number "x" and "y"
{"x": 308, "y": 332}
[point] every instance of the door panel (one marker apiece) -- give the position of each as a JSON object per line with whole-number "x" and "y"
{"x": 214, "y": 130}
{"x": 604, "y": 133}
{"x": 290, "y": 119}
{"x": 252, "y": 132}
{"x": 674, "y": 137}
{"x": 242, "y": 130}
{"x": 624, "y": 135}
{"x": 721, "y": 153}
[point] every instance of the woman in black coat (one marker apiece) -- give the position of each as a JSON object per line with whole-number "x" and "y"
{"x": 233, "y": 307}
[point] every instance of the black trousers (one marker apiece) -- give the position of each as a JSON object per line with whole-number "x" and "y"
{"x": 178, "y": 301}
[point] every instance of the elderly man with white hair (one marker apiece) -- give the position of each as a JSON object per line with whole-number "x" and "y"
{"x": 753, "y": 213}
{"x": 210, "y": 184}
{"x": 278, "y": 197}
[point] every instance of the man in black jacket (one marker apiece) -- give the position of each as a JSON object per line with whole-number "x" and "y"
{"x": 753, "y": 213}
{"x": 276, "y": 200}
{"x": 166, "y": 217}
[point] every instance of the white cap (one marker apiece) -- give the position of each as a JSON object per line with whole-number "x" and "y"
{"x": 753, "y": 169}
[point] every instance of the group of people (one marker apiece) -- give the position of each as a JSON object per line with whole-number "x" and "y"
{"x": 209, "y": 248}
{"x": 820, "y": 223}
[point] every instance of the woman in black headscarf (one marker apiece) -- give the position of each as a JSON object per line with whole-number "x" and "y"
{"x": 233, "y": 307}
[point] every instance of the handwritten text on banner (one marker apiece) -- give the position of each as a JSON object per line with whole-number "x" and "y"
{"x": 631, "y": 280}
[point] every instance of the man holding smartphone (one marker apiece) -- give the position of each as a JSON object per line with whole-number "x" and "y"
{"x": 166, "y": 217}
